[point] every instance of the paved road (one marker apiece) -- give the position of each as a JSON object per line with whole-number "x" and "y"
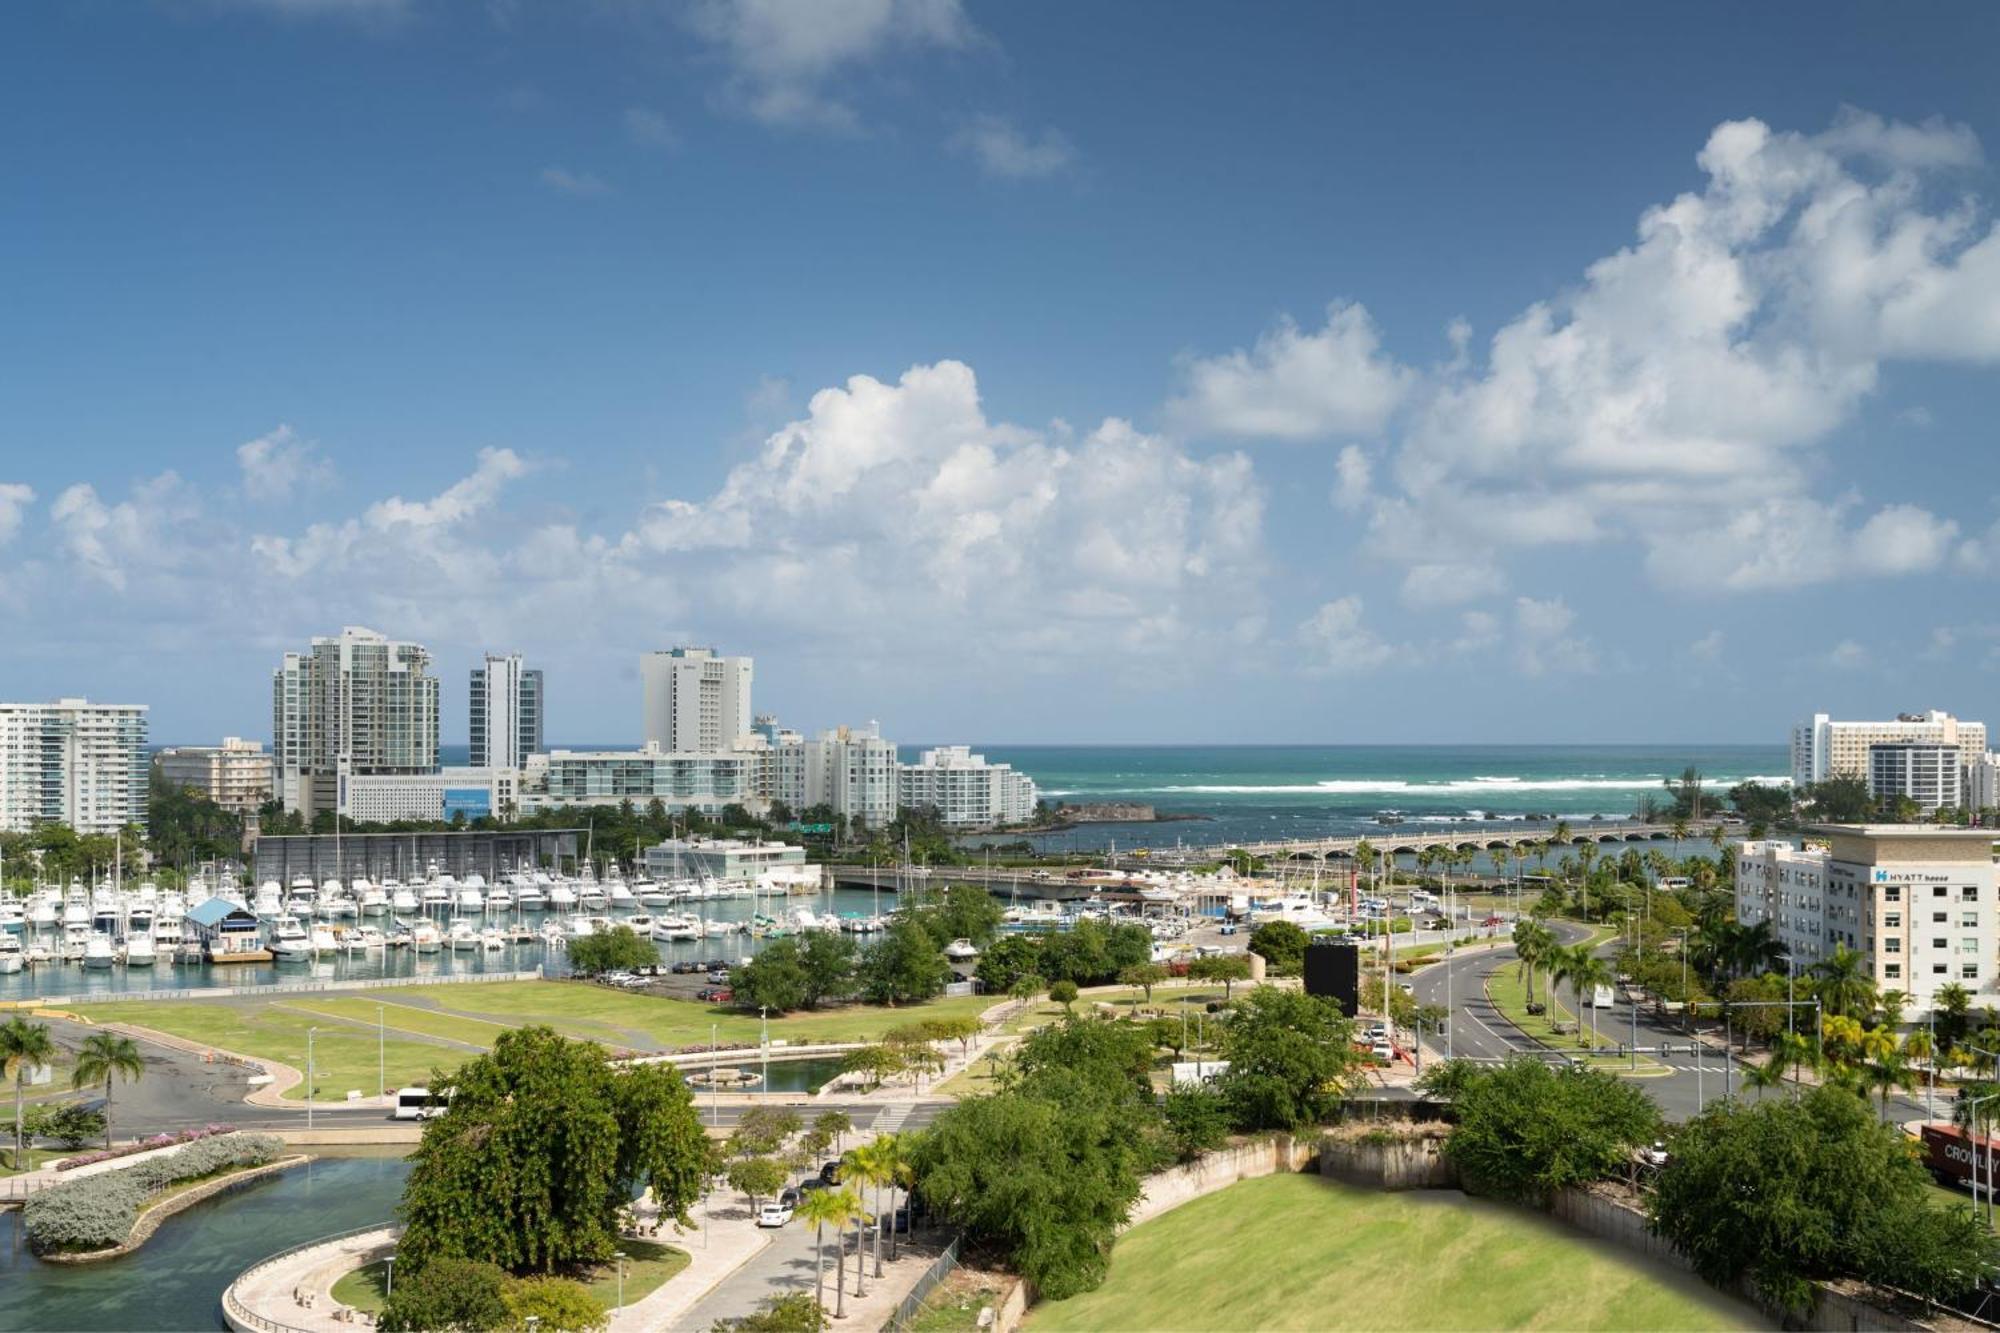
{"x": 1478, "y": 1031}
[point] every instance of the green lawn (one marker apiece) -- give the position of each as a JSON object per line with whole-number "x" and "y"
{"x": 1300, "y": 1252}
{"x": 344, "y": 1049}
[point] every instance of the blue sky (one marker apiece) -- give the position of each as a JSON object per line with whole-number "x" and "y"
{"x": 1011, "y": 371}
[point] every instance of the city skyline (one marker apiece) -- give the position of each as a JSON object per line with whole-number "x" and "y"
{"x": 1256, "y": 391}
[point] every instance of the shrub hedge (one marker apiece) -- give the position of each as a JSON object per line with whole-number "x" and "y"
{"x": 97, "y": 1212}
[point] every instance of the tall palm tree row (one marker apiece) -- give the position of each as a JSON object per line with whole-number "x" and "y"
{"x": 23, "y": 1046}
{"x": 1534, "y": 945}
{"x": 1585, "y": 972}
{"x": 103, "y": 1057}
{"x": 817, "y": 1209}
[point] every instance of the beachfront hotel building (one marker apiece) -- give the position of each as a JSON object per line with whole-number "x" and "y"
{"x": 236, "y": 774}
{"x": 695, "y": 702}
{"x": 1917, "y": 901}
{"x": 72, "y": 762}
{"x": 506, "y": 712}
{"x": 1929, "y": 773}
{"x": 965, "y": 789}
{"x": 704, "y": 782}
{"x": 1823, "y": 747}
{"x": 355, "y": 704}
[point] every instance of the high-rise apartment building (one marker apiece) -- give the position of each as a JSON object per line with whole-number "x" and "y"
{"x": 1930, "y": 773}
{"x": 1917, "y": 901}
{"x": 1823, "y": 747}
{"x": 695, "y": 701}
{"x": 852, "y": 770}
{"x": 507, "y": 712}
{"x": 965, "y": 789}
{"x": 356, "y": 703}
{"x": 72, "y": 762}
{"x": 236, "y": 774}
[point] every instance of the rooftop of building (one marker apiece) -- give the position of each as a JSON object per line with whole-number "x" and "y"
{"x": 1888, "y": 832}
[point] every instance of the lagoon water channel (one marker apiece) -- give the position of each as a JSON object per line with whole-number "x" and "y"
{"x": 175, "y": 1280}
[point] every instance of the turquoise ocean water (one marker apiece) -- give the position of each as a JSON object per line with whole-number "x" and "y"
{"x": 1246, "y": 792}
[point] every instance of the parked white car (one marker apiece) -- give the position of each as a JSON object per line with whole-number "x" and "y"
{"x": 774, "y": 1214}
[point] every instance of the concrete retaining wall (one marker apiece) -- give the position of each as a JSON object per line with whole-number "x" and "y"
{"x": 1168, "y": 1190}
{"x": 1398, "y": 1163}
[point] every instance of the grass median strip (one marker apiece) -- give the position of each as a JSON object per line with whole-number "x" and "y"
{"x": 1508, "y": 991}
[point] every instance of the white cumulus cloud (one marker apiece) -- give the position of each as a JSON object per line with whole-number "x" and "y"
{"x": 1337, "y": 641}
{"x": 1294, "y": 384}
{"x": 1003, "y": 150}
{"x": 276, "y": 464}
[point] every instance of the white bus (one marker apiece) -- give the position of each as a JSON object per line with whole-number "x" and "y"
{"x": 417, "y": 1104}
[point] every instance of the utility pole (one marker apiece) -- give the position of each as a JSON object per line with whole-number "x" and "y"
{"x": 309, "y": 1076}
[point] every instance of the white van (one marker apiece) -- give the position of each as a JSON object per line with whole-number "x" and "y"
{"x": 417, "y": 1104}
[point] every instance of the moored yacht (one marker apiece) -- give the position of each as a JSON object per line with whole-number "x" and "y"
{"x": 289, "y": 941}
{"x": 140, "y": 949}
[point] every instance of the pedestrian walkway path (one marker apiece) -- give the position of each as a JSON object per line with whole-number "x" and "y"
{"x": 294, "y": 1291}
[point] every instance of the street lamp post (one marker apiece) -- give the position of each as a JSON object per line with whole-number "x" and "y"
{"x": 714, "y": 1083}
{"x": 389, "y": 1281}
{"x": 381, "y": 1061}
{"x": 619, "y": 1255}
{"x": 764, "y": 1041}
{"x": 309, "y": 1076}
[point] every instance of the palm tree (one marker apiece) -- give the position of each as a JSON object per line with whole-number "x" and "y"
{"x": 103, "y": 1056}
{"x": 867, "y": 1164}
{"x": 818, "y": 1208}
{"x": 1844, "y": 987}
{"x": 1756, "y": 948}
{"x": 844, "y": 1206}
{"x": 1679, "y": 830}
{"x": 23, "y": 1044}
{"x": 1586, "y": 970}
{"x": 1534, "y": 944}
{"x": 1889, "y": 1006}
{"x": 1561, "y": 831}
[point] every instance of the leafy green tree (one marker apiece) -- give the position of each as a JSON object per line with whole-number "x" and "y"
{"x": 541, "y": 1145}
{"x": 1077, "y": 955}
{"x": 959, "y": 911}
{"x": 72, "y": 1124}
{"x": 794, "y": 1312}
{"x": 880, "y": 1062}
{"x": 1291, "y": 1059}
{"x": 1144, "y": 976}
{"x": 1063, "y": 993}
{"x": 554, "y": 1303}
{"x": 827, "y": 960}
{"x": 1843, "y": 798}
{"x": 446, "y": 1294}
{"x": 1228, "y": 968}
{"x": 764, "y": 1129}
{"x": 835, "y": 1125}
{"x": 1006, "y": 961}
{"x": 1046, "y": 1177}
{"x": 1115, "y": 1052}
{"x": 1526, "y": 1130}
{"x": 904, "y": 966}
{"x": 1787, "y": 1192}
{"x": 23, "y": 1046}
{"x": 103, "y": 1057}
{"x": 1197, "y": 1119}
{"x": 756, "y": 1178}
{"x": 775, "y": 979}
{"x": 1282, "y": 945}
{"x": 1125, "y": 945}
{"x": 609, "y": 951}
{"x": 1760, "y": 801}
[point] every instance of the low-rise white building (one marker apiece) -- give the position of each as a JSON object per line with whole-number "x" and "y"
{"x": 965, "y": 789}
{"x": 720, "y": 858}
{"x": 442, "y": 796}
{"x": 1918, "y": 901}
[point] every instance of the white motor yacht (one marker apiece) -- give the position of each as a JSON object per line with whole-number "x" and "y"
{"x": 650, "y": 893}
{"x": 436, "y": 895}
{"x": 472, "y": 894}
{"x": 499, "y": 898}
{"x": 492, "y": 940}
{"x": 620, "y": 896}
{"x": 372, "y": 899}
{"x": 141, "y": 949}
{"x": 98, "y": 951}
{"x": 961, "y": 949}
{"x": 366, "y": 939}
{"x": 562, "y": 896}
{"x": 577, "y": 926}
{"x": 402, "y": 898}
{"x": 13, "y": 957}
{"x": 290, "y": 943}
{"x": 531, "y": 897}
{"x": 640, "y": 923}
{"x": 676, "y": 928}
{"x": 426, "y": 937}
{"x": 270, "y": 900}
{"x": 462, "y": 935}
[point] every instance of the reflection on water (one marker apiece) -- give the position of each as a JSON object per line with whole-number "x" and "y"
{"x": 175, "y": 1281}
{"x": 393, "y": 964}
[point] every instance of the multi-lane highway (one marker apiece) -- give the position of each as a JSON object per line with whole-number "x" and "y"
{"x": 1680, "y": 1080}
